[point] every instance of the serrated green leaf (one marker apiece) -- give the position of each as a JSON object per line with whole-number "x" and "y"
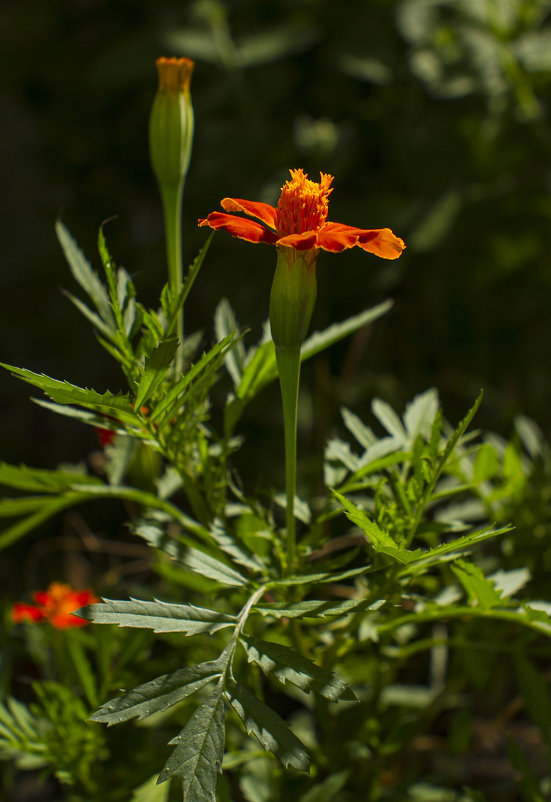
{"x": 480, "y": 590}
{"x": 205, "y": 367}
{"x": 448, "y": 550}
{"x": 65, "y": 393}
{"x": 155, "y": 369}
{"x": 286, "y": 665}
{"x": 158, "y": 616}
{"x": 312, "y": 608}
{"x": 197, "y": 759}
{"x": 458, "y": 433}
{"x": 157, "y": 695}
{"x": 321, "y": 578}
{"x": 380, "y": 540}
{"x": 268, "y": 727}
{"x": 212, "y": 568}
{"x": 237, "y": 553}
{"x": 84, "y": 274}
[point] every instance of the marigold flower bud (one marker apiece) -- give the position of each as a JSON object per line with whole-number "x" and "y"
{"x": 171, "y": 122}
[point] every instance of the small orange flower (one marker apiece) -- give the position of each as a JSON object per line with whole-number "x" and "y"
{"x": 300, "y": 221}
{"x": 55, "y": 605}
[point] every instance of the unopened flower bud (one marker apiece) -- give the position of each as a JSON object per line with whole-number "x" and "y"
{"x": 171, "y": 123}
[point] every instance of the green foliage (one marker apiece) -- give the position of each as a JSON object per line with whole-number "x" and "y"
{"x": 419, "y": 602}
{"x": 52, "y": 733}
{"x": 407, "y": 564}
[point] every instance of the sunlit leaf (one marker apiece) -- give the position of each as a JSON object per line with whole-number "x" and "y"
{"x": 158, "y": 616}
{"x": 158, "y": 694}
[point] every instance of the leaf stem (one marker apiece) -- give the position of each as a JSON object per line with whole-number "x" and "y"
{"x": 172, "y": 208}
{"x": 288, "y": 363}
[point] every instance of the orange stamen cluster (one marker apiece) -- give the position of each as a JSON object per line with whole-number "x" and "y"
{"x": 303, "y": 204}
{"x": 174, "y": 73}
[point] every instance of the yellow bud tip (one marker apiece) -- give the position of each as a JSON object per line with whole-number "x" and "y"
{"x": 174, "y": 73}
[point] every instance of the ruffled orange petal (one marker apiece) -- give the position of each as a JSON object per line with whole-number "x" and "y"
{"x": 336, "y": 237}
{"x": 262, "y": 211}
{"x": 300, "y": 242}
{"x": 248, "y": 230}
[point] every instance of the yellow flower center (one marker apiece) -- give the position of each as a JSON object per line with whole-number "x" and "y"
{"x": 303, "y": 204}
{"x": 174, "y": 73}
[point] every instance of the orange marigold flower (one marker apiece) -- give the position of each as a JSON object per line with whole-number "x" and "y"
{"x": 55, "y": 605}
{"x": 300, "y": 221}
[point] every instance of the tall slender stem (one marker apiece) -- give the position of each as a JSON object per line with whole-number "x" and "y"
{"x": 288, "y": 363}
{"x": 172, "y": 208}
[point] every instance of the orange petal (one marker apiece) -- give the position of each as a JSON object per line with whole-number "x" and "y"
{"x": 382, "y": 242}
{"x": 262, "y": 211}
{"x": 336, "y": 237}
{"x": 239, "y": 227}
{"x": 300, "y": 242}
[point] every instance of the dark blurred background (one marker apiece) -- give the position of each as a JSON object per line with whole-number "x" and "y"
{"x": 431, "y": 114}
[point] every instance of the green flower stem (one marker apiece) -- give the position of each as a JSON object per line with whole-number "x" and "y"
{"x": 172, "y": 208}
{"x": 288, "y": 363}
